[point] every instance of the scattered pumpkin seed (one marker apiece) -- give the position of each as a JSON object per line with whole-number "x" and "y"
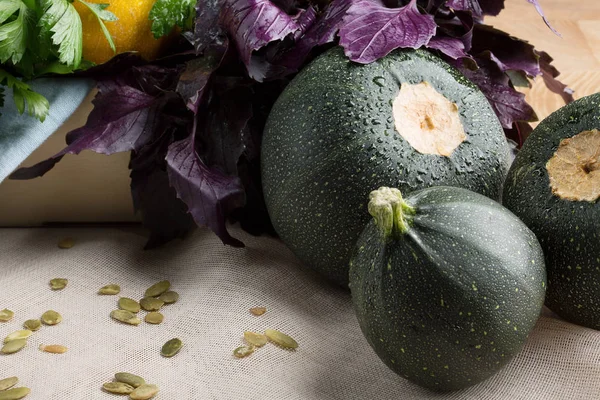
{"x": 130, "y": 379}
{"x": 54, "y": 348}
{"x": 151, "y": 304}
{"x": 171, "y": 348}
{"x": 243, "y": 351}
{"x": 281, "y": 339}
{"x": 22, "y": 334}
{"x": 7, "y": 383}
{"x": 125, "y": 316}
{"x": 154, "y": 317}
{"x": 110, "y": 289}
{"x": 255, "y": 339}
{"x": 157, "y": 289}
{"x": 169, "y": 297}
{"x": 14, "y": 393}
{"x": 144, "y": 392}
{"x": 51, "y": 317}
{"x": 32, "y": 324}
{"x": 118, "y": 387}
{"x": 125, "y": 303}
{"x": 13, "y": 346}
{"x": 66, "y": 243}
{"x": 258, "y": 310}
{"x": 6, "y": 315}
{"x": 58, "y": 283}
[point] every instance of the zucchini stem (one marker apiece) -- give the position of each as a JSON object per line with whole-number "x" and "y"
{"x": 391, "y": 213}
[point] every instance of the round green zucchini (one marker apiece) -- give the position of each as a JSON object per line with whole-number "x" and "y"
{"x": 446, "y": 284}
{"x": 554, "y": 187}
{"x": 340, "y": 129}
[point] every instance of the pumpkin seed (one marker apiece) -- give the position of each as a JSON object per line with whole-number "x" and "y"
{"x": 23, "y": 334}
{"x": 243, "y": 351}
{"x": 110, "y": 289}
{"x": 171, "y": 348}
{"x": 15, "y": 393}
{"x": 130, "y": 379}
{"x": 51, "y": 317}
{"x": 125, "y": 316}
{"x": 125, "y": 303}
{"x": 53, "y": 348}
{"x": 144, "y": 392}
{"x": 32, "y": 324}
{"x": 154, "y": 317}
{"x": 157, "y": 289}
{"x": 151, "y": 304}
{"x": 7, "y": 383}
{"x": 6, "y": 315}
{"x": 255, "y": 339}
{"x": 118, "y": 387}
{"x": 258, "y": 310}
{"x": 169, "y": 297}
{"x": 281, "y": 339}
{"x": 13, "y": 346}
{"x": 58, "y": 283}
{"x": 66, "y": 243}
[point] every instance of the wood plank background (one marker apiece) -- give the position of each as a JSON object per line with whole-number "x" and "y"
{"x": 576, "y": 54}
{"x": 93, "y": 187}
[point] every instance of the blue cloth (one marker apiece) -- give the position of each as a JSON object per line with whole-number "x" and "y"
{"x": 20, "y": 135}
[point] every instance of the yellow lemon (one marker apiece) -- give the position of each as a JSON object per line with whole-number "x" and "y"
{"x": 131, "y": 32}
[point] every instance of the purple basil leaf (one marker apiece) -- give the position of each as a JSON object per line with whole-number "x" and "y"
{"x": 519, "y": 132}
{"x": 452, "y": 47}
{"x": 518, "y": 78}
{"x": 467, "y": 5}
{"x": 509, "y": 53}
{"x": 226, "y": 127}
{"x": 370, "y": 31}
{"x": 326, "y": 28}
{"x": 549, "y": 74}
{"x": 266, "y": 64}
{"x": 207, "y": 29}
{"x": 458, "y": 25}
{"x": 255, "y": 23}
{"x": 209, "y": 194}
{"x": 153, "y": 79}
{"x": 305, "y": 19}
{"x": 123, "y": 119}
{"x": 541, "y": 12}
{"x": 163, "y": 214}
{"x": 508, "y": 104}
{"x": 195, "y": 77}
{"x": 323, "y": 31}
{"x": 431, "y": 6}
{"x": 479, "y": 8}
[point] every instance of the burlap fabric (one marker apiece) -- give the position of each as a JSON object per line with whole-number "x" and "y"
{"x": 218, "y": 285}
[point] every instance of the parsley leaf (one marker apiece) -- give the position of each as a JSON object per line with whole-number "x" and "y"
{"x": 1, "y": 98}
{"x": 62, "y": 19}
{"x": 14, "y": 30}
{"x": 8, "y": 8}
{"x": 166, "y": 14}
{"x": 99, "y": 10}
{"x": 37, "y": 105}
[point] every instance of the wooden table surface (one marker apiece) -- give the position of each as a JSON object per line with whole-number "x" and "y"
{"x": 93, "y": 187}
{"x": 576, "y": 54}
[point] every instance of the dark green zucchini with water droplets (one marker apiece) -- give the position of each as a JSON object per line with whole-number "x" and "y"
{"x": 554, "y": 187}
{"x": 340, "y": 130}
{"x": 446, "y": 284}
